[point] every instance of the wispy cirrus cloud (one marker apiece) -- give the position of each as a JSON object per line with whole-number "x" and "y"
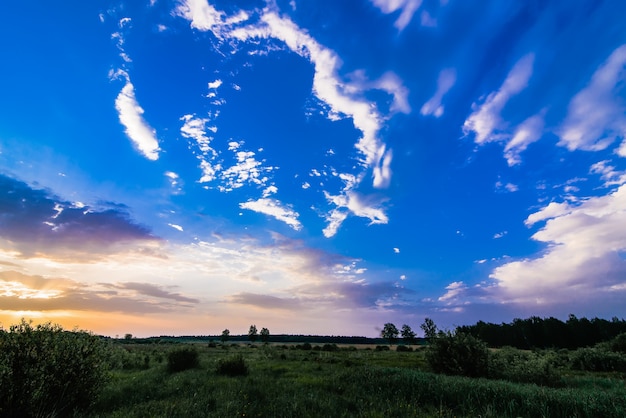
{"x": 485, "y": 122}
{"x": 196, "y": 128}
{"x": 445, "y": 81}
{"x": 525, "y": 134}
{"x": 129, "y": 111}
{"x": 608, "y": 173}
{"x": 275, "y": 209}
{"x": 407, "y": 10}
{"x": 353, "y": 202}
{"x": 596, "y": 115}
{"x": 131, "y": 116}
{"x": 344, "y": 97}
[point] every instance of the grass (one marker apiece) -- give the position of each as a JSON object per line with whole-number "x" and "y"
{"x": 287, "y": 382}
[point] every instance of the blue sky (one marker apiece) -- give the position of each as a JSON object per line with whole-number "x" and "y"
{"x": 315, "y": 167}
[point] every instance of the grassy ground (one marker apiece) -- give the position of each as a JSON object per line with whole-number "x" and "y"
{"x": 286, "y": 382}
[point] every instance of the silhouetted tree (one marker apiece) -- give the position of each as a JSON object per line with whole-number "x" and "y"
{"x": 225, "y": 335}
{"x": 407, "y": 334}
{"x": 252, "y": 333}
{"x": 429, "y": 328}
{"x": 265, "y": 335}
{"x": 389, "y": 332}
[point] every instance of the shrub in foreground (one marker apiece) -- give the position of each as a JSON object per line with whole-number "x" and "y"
{"x": 520, "y": 366}
{"x": 458, "y": 354}
{"x": 184, "y": 358}
{"x": 232, "y": 366}
{"x": 597, "y": 359}
{"x": 45, "y": 370}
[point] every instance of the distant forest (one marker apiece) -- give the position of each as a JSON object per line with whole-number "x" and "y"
{"x": 533, "y": 332}
{"x": 536, "y": 332}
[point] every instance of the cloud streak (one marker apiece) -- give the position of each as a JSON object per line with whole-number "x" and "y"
{"x": 130, "y": 114}
{"x": 596, "y": 115}
{"x": 485, "y": 121}
{"x": 407, "y": 10}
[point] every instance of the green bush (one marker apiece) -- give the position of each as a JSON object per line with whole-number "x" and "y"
{"x": 403, "y": 348}
{"x": 618, "y": 344}
{"x": 232, "y": 366}
{"x": 45, "y": 370}
{"x": 382, "y": 348}
{"x": 183, "y": 358}
{"x": 520, "y": 366}
{"x": 597, "y": 359}
{"x": 458, "y": 354}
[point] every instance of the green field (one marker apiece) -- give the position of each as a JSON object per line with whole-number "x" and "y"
{"x": 46, "y": 371}
{"x": 331, "y": 381}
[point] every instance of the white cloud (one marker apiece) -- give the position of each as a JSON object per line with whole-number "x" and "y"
{"x": 330, "y": 89}
{"x": 454, "y": 290}
{"x": 407, "y": 10}
{"x": 392, "y": 84}
{"x": 247, "y": 170}
{"x": 500, "y": 235}
{"x": 608, "y": 173}
{"x": 214, "y": 85}
{"x": 596, "y": 116}
{"x": 195, "y": 128}
{"x": 583, "y": 258}
{"x": 130, "y": 114}
{"x": 509, "y": 187}
{"x": 447, "y": 78}
{"x": 357, "y": 204}
{"x": 276, "y": 209}
{"x": 485, "y": 120}
{"x": 270, "y": 190}
{"x": 553, "y": 210}
{"x": 525, "y": 134}
{"x": 202, "y": 16}
{"x": 396, "y": 250}
{"x": 334, "y": 220}
{"x": 427, "y": 20}
{"x": 343, "y": 98}
{"x": 176, "y": 227}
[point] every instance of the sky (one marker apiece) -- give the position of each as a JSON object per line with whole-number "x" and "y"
{"x": 181, "y": 167}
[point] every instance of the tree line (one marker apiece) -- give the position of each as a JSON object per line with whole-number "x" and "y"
{"x": 536, "y": 332}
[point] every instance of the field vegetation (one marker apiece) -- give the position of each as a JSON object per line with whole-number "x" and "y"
{"x": 454, "y": 375}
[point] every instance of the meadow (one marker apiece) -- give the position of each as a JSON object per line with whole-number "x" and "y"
{"x": 278, "y": 380}
{"x": 46, "y": 371}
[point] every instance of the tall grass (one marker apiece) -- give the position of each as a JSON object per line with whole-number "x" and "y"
{"x": 357, "y": 383}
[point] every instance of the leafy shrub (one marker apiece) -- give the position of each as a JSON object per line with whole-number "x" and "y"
{"x": 382, "y": 348}
{"x": 306, "y": 346}
{"x": 402, "y": 348}
{"x": 597, "y": 360}
{"x": 232, "y": 366}
{"x": 458, "y": 354}
{"x": 523, "y": 367}
{"x": 183, "y": 358}
{"x": 330, "y": 347}
{"x": 122, "y": 358}
{"x": 618, "y": 344}
{"x": 46, "y": 370}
